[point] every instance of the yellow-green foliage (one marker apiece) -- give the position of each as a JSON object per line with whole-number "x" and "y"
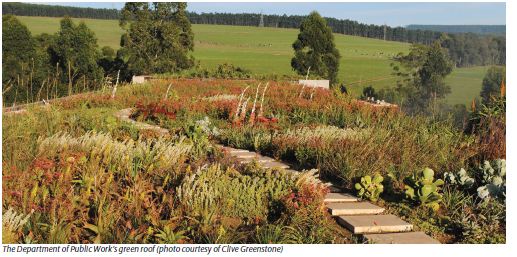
{"x": 232, "y": 194}
{"x": 12, "y": 223}
{"x": 324, "y": 132}
{"x": 126, "y": 156}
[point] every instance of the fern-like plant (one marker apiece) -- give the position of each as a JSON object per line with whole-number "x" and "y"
{"x": 12, "y": 223}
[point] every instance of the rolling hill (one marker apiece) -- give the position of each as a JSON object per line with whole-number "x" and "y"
{"x": 364, "y": 61}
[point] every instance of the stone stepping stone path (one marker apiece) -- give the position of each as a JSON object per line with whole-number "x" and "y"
{"x": 334, "y": 197}
{"x": 334, "y": 189}
{"x": 360, "y": 217}
{"x": 244, "y": 156}
{"x": 369, "y": 224}
{"x": 124, "y": 116}
{"x": 351, "y": 208}
{"x": 401, "y": 238}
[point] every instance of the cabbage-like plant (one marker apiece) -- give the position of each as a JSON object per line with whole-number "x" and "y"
{"x": 369, "y": 188}
{"x": 461, "y": 178}
{"x": 423, "y": 189}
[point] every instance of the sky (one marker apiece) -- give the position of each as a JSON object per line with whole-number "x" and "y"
{"x": 392, "y": 14}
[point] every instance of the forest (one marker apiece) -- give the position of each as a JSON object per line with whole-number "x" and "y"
{"x": 477, "y": 29}
{"x": 24, "y": 9}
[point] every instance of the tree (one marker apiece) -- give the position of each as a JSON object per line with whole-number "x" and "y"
{"x": 19, "y": 60}
{"x": 75, "y": 50}
{"x": 492, "y": 82}
{"x": 158, "y": 37}
{"x": 422, "y": 77}
{"x": 315, "y": 48}
{"x": 369, "y": 91}
{"x": 113, "y": 65}
{"x": 107, "y": 59}
{"x": 18, "y": 48}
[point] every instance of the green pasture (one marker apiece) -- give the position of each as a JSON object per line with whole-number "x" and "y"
{"x": 364, "y": 61}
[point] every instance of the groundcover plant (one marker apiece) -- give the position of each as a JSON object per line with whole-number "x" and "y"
{"x": 74, "y": 173}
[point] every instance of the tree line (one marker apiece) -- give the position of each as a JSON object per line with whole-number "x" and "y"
{"x": 476, "y": 29}
{"x": 470, "y": 49}
{"x": 466, "y": 49}
{"x": 23, "y": 9}
{"x": 48, "y": 66}
{"x": 158, "y": 38}
{"x": 341, "y": 26}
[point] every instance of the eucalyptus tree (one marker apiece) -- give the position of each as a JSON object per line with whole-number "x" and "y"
{"x": 158, "y": 37}
{"x": 315, "y": 49}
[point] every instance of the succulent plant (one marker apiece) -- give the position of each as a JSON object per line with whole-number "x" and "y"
{"x": 423, "y": 189}
{"x": 450, "y": 178}
{"x": 370, "y": 188}
{"x": 465, "y": 179}
{"x": 493, "y": 178}
{"x": 207, "y": 127}
{"x": 461, "y": 178}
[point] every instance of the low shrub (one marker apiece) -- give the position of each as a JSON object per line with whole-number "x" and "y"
{"x": 223, "y": 71}
{"x": 489, "y": 179}
{"x": 231, "y": 194}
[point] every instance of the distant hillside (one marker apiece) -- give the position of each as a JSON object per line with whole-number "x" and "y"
{"x": 477, "y": 29}
{"x": 43, "y": 10}
{"x": 341, "y": 26}
{"x": 465, "y": 49}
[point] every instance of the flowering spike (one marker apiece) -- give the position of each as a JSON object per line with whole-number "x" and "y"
{"x": 252, "y": 115}
{"x": 243, "y": 110}
{"x": 240, "y": 100}
{"x": 261, "y": 112}
{"x": 503, "y": 89}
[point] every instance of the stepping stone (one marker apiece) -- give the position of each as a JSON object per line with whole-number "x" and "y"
{"x": 233, "y": 150}
{"x": 334, "y": 189}
{"x": 264, "y": 159}
{"x": 124, "y": 113}
{"x": 339, "y": 198}
{"x": 124, "y": 116}
{"x": 275, "y": 164}
{"x": 401, "y": 238}
{"x": 354, "y": 208}
{"x": 371, "y": 224}
{"x": 260, "y": 159}
{"x": 247, "y": 159}
{"x": 245, "y": 154}
{"x": 265, "y": 163}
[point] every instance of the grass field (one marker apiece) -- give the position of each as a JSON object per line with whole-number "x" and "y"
{"x": 465, "y": 84}
{"x": 268, "y": 51}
